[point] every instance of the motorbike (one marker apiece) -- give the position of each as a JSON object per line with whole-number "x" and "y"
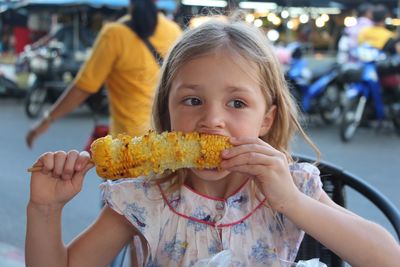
{"x": 372, "y": 90}
{"x": 317, "y": 90}
{"x": 13, "y": 81}
{"x": 9, "y": 87}
{"x": 54, "y": 69}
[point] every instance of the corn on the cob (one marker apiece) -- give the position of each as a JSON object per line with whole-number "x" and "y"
{"x": 127, "y": 156}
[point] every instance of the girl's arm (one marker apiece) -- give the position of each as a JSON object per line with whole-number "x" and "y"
{"x": 59, "y": 179}
{"x": 96, "y": 246}
{"x": 102, "y": 241}
{"x": 43, "y": 244}
{"x": 354, "y": 239}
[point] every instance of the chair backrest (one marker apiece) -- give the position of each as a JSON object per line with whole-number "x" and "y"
{"x": 334, "y": 179}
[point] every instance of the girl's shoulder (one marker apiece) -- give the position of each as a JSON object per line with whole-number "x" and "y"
{"x": 125, "y": 182}
{"x": 303, "y": 167}
{"x": 306, "y": 176}
{"x": 137, "y": 199}
{"x": 130, "y": 190}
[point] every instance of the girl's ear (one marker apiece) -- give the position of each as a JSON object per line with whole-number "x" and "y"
{"x": 269, "y": 118}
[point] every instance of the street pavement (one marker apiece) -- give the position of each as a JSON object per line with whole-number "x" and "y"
{"x": 372, "y": 155}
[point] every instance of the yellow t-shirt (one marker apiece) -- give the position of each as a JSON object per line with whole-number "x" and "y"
{"x": 375, "y": 36}
{"x": 123, "y": 61}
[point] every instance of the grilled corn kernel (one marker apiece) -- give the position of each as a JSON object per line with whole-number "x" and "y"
{"x": 127, "y": 156}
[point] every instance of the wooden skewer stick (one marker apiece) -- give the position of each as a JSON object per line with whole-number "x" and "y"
{"x": 35, "y": 168}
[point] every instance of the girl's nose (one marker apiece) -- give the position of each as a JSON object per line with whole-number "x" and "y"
{"x": 213, "y": 117}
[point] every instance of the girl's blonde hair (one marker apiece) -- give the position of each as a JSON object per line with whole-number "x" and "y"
{"x": 251, "y": 44}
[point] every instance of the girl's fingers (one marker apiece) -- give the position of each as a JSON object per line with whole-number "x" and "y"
{"x": 253, "y": 170}
{"x": 82, "y": 166}
{"x": 82, "y": 161}
{"x": 88, "y": 166}
{"x": 246, "y": 144}
{"x": 242, "y": 140}
{"x": 249, "y": 159}
{"x": 64, "y": 165}
{"x": 242, "y": 149}
{"x": 78, "y": 179}
{"x": 70, "y": 163}
{"x": 47, "y": 161}
{"x": 59, "y": 162}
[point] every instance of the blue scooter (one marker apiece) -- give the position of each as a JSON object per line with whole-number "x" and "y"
{"x": 365, "y": 96}
{"x": 317, "y": 90}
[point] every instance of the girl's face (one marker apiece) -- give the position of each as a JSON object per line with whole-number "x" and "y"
{"x": 214, "y": 94}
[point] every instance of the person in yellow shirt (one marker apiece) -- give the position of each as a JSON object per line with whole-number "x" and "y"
{"x": 377, "y": 35}
{"x": 123, "y": 61}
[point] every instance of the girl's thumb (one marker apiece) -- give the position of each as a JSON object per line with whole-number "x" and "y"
{"x": 78, "y": 179}
{"x": 87, "y": 168}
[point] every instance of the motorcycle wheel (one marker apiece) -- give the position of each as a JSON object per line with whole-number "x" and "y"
{"x": 35, "y": 100}
{"x": 351, "y": 118}
{"x": 9, "y": 88}
{"x": 329, "y": 106}
{"x": 395, "y": 114}
{"x": 3, "y": 87}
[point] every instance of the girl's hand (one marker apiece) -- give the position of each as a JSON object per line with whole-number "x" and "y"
{"x": 268, "y": 167}
{"x": 60, "y": 177}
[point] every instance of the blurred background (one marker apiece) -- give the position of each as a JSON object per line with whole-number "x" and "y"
{"x": 352, "y": 118}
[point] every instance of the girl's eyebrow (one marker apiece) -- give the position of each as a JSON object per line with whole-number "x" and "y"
{"x": 231, "y": 88}
{"x": 188, "y": 86}
{"x": 234, "y": 89}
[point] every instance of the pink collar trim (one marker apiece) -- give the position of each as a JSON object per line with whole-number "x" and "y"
{"x": 217, "y": 198}
{"x": 214, "y": 224}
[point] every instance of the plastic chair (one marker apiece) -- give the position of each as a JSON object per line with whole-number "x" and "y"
{"x": 334, "y": 180}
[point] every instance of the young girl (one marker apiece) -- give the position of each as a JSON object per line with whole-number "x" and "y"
{"x": 218, "y": 79}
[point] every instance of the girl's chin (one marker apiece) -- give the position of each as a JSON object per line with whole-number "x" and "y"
{"x": 210, "y": 174}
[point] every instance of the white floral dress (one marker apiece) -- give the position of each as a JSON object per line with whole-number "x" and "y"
{"x": 186, "y": 228}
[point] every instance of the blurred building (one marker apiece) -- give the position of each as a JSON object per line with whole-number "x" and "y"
{"x": 317, "y": 23}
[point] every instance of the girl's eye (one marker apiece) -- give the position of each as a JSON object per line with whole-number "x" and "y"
{"x": 192, "y": 101}
{"x": 236, "y": 104}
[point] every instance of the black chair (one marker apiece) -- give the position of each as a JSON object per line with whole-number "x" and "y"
{"x": 334, "y": 180}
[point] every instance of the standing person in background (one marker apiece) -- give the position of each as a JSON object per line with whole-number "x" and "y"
{"x": 377, "y": 35}
{"x": 349, "y": 38}
{"x": 122, "y": 60}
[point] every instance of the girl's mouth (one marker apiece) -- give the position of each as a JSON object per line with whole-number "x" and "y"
{"x": 212, "y": 169}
